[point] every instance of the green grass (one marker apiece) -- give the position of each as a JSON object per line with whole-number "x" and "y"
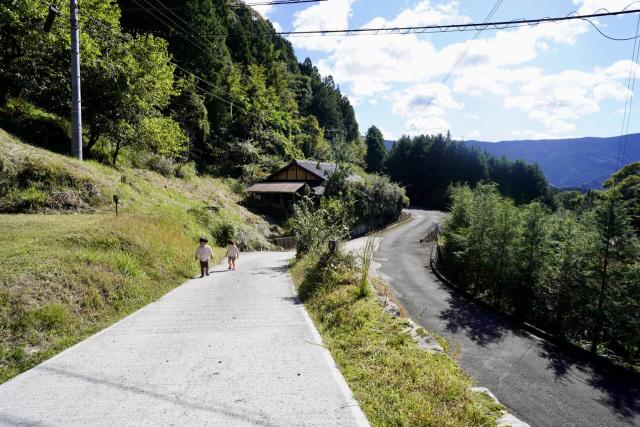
{"x": 69, "y": 267}
{"x": 395, "y": 383}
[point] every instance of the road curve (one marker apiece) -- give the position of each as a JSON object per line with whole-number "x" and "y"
{"x": 538, "y": 382}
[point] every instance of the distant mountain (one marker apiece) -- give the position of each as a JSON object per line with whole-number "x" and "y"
{"x": 582, "y": 162}
{"x": 388, "y": 144}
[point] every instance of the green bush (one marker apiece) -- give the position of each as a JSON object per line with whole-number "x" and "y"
{"x": 186, "y": 170}
{"x": 378, "y": 201}
{"x": 315, "y": 225}
{"x": 52, "y": 316}
{"x": 154, "y": 162}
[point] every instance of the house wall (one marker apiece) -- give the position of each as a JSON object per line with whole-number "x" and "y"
{"x": 295, "y": 173}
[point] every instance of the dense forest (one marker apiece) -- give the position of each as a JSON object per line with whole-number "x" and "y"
{"x": 183, "y": 88}
{"x": 428, "y": 165}
{"x": 198, "y": 83}
{"x": 574, "y": 272}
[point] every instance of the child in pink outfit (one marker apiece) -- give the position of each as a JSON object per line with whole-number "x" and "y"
{"x": 233, "y": 253}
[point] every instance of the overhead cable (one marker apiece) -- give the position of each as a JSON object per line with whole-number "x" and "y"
{"x": 430, "y": 29}
{"x": 231, "y": 5}
{"x": 626, "y": 118}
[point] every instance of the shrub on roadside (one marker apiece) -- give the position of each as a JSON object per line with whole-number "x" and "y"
{"x": 315, "y": 225}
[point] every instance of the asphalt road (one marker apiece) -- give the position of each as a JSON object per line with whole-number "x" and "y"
{"x": 538, "y": 382}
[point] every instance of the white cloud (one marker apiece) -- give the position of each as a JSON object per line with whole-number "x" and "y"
{"x": 471, "y": 117}
{"x": 276, "y": 26}
{"x": 329, "y": 15}
{"x": 425, "y": 99}
{"x": 388, "y": 135}
{"x": 554, "y": 100}
{"x": 531, "y": 134}
{"x": 474, "y": 134}
{"x": 426, "y": 126}
{"x": 372, "y": 64}
{"x": 588, "y": 7}
{"x": 264, "y": 10}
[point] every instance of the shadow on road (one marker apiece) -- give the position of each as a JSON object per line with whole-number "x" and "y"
{"x": 171, "y": 398}
{"x": 623, "y": 396}
{"x": 480, "y": 327}
{"x": 619, "y": 394}
{"x": 559, "y": 362}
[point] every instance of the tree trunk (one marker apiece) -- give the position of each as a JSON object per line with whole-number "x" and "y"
{"x": 603, "y": 285}
{"x": 93, "y": 139}
{"x": 115, "y": 153}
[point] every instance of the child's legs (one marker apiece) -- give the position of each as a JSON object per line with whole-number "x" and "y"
{"x": 234, "y": 262}
{"x": 204, "y": 267}
{"x": 230, "y": 260}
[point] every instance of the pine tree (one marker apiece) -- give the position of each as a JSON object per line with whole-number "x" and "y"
{"x": 376, "y": 151}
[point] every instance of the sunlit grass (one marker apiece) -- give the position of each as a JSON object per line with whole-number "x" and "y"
{"x": 68, "y": 273}
{"x": 395, "y": 383}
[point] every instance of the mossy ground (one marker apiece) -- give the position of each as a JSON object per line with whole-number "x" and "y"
{"x": 395, "y": 383}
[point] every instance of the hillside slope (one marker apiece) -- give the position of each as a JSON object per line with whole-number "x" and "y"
{"x": 69, "y": 267}
{"x": 581, "y": 162}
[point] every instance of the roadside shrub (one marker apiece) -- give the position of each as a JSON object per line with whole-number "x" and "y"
{"x": 186, "y": 171}
{"x": 224, "y": 232}
{"x": 315, "y": 225}
{"x": 160, "y": 164}
{"x": 378, "y": 201}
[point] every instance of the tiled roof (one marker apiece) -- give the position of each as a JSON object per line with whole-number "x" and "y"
{"x": 276, "y": 187}
{"x": 321, "y": 169}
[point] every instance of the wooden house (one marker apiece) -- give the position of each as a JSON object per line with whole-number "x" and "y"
{"x": 295, "y": 179}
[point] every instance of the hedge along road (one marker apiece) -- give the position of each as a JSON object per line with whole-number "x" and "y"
{"x": 538, "y": 382}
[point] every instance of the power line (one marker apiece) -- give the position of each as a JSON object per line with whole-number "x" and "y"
{"x": 232, "y": 5}
{"x": 629, "y": 99}
{"x": 430, "y": 29}
{"x": 464, "y": 53}
{"x": 200, "y": 46}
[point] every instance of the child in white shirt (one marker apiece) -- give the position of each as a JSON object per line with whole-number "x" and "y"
{"x": 233, "y": 253}
{"x": 204, "y": 253}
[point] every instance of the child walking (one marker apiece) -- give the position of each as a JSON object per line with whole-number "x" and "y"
{"x": 233, "y": 253}
{"x": 204, "y": 253}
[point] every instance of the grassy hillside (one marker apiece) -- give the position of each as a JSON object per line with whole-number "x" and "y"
{"x": 69, "y": 267}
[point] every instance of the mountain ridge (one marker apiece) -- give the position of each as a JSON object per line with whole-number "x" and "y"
{"x": 573, "y": 162}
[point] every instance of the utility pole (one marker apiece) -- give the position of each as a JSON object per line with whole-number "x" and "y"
{"x": 76, "y": 105}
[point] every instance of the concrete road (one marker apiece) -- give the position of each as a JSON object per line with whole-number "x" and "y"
{"x": 539, "y": 383}
{"x": 233, "y": 349}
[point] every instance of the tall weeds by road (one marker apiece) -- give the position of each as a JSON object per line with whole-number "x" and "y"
{"x": 395, "y": 383}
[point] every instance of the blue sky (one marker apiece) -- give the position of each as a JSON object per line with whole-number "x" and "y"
{"x": 551, "y": 81}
